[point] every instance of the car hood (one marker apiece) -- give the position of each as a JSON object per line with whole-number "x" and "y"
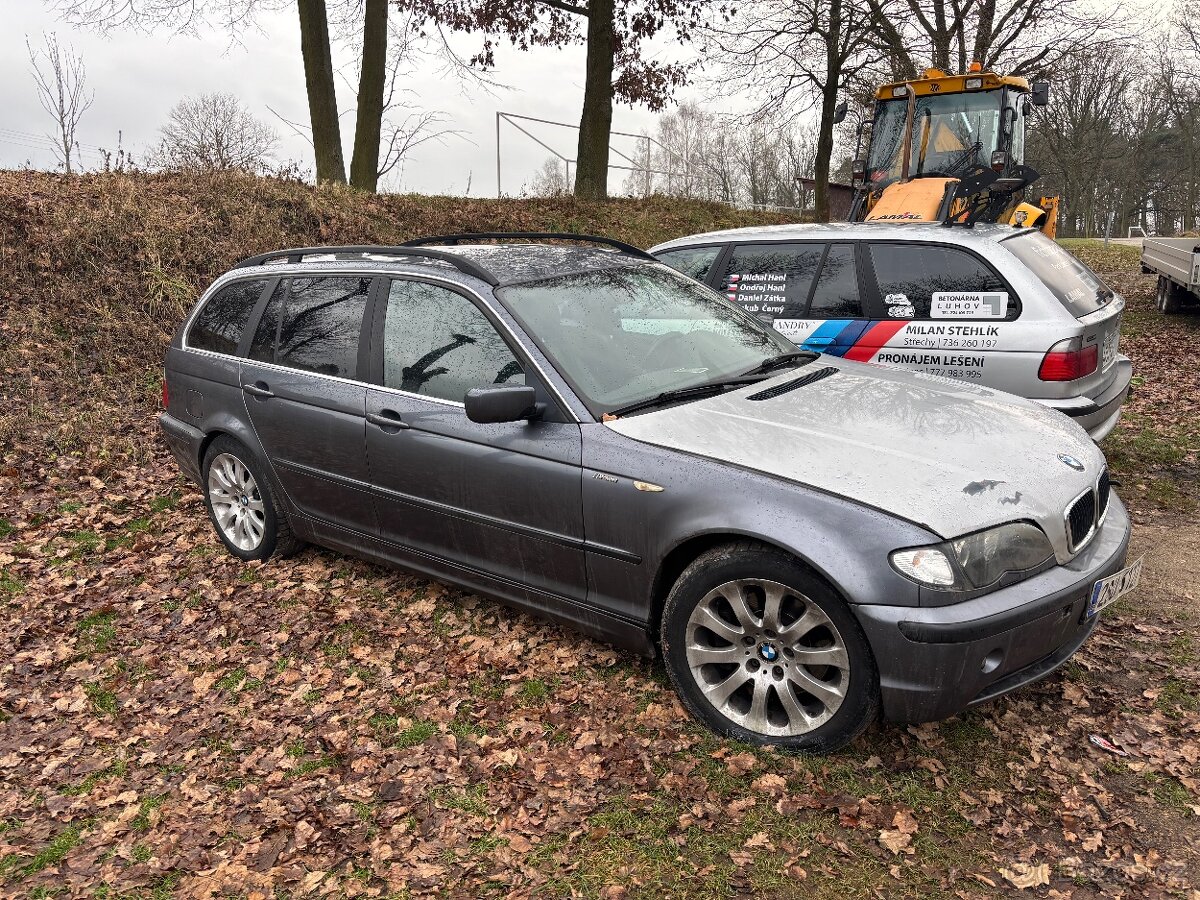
{"x": 946, "y": 455}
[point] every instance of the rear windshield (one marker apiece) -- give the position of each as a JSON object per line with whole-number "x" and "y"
{"x": 1076, "y": 286}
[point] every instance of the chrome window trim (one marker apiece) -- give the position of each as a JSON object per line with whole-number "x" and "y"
{"x": 390, "y": 275}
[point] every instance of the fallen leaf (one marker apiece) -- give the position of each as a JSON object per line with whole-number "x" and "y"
{"x": 1026, "y": 875}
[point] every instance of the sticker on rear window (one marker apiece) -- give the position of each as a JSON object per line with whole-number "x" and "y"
{"x": 969, "y": 305}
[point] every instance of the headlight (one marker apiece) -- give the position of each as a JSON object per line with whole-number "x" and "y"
{"x": 986, "y": 556}
{"x": 977, "y": 560}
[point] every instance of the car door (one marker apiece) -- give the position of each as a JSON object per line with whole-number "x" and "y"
{"x": 773, "y": 282}
{"x": 306, "y": 399}
{"x": 836, "y": 308}
{"x": 944, "y": 311}
{"x": 502, "y": 499}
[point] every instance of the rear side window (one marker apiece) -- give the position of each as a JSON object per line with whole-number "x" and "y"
{"x": 436, "y": 342}
{"x": 262, "y": 348}
{"x": 220, "y": 324}
{"x": 1076, "y": 286}
{"x": 314, "y": 325}
{"x": 772, "y": 281}
{"x": 836, "y": 295}
{"x": 925, "y": 282}
{"x": 693, "y": 262}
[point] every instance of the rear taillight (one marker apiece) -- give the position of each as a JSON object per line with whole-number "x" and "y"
{"x": 166, "y": 395}
{"x": 1068, "y": 360}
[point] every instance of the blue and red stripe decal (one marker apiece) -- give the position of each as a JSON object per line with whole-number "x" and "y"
{"x": 857, "y": 339}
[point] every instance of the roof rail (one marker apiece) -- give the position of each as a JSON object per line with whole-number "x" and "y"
{"x": 296, "y": 254}
{"x": 532, "y": 235}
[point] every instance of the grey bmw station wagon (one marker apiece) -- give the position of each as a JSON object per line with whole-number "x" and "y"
{"x": 581, "y": 431}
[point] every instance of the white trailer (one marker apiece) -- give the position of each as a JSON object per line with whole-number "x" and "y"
{"x": 1176, "y": 262}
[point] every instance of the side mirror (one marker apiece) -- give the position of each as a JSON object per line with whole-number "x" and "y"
{"x": 1040, "y": 93}
{"x": 503, "y": 403}
{"x": 839, "y": 113}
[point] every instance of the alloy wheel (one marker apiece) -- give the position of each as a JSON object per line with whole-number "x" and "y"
{"x": 767, "y": 657}
{"x": 237, "y": 504}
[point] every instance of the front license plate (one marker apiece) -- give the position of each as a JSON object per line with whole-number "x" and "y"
{"x": 1107, "y": 590}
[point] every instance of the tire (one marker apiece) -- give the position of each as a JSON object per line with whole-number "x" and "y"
{"x": 1169, "y": 298}
{"x": 1173, "y": 302}
{"x": 745, "y": 680}
{"x": 241, "y": 504}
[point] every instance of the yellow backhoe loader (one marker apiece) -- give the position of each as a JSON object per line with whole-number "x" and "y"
{"x": 951, "y": 149}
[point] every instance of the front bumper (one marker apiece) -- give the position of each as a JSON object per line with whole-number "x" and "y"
{"x": 937, "y": 661}
{"x": 1098, "y": 415}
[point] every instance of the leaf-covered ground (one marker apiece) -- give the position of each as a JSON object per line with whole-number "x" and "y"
{"x": 176, "y": 723}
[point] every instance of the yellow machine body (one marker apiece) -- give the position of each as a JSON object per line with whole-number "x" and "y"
{"x": 920, "y": 199}
{"x": 936, "y": 82}
{"x": 917, "y": 200}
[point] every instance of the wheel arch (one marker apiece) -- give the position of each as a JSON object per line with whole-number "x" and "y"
{"x": 687, "y": 551}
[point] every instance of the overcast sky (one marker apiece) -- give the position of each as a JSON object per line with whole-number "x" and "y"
{"x": 138, "y": 77}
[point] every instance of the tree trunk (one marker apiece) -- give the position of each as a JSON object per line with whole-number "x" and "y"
{"x": 322, "y": 101}
{"x": 829, "y": 94}
{"x": 591, "y": 169}
{"x": 364, "y": 166}
{"x": 983, "y": 33}
{"x": 824, "y": 151}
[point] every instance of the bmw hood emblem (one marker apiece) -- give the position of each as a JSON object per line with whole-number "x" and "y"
{"x": 1070, "y": 461}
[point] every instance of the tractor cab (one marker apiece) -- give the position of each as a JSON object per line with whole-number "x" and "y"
{"x": 951, "y": 148}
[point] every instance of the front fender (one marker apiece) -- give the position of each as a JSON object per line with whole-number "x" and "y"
{"x": 703, "y": 502}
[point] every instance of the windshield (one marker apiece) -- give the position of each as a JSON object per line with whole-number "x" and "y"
{"x": 1076, "y": 286}
{"x": 628, "y": 334}
{"x": 951, "y": 135}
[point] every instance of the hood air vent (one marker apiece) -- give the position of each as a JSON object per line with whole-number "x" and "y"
{"x": 805, "y": 379}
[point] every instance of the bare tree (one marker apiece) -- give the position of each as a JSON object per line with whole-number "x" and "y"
{"x": 707, "y": 155}
{"x": 62, "y": 90}
{"x": 794, "y": 55}
{"x": 214, "y": 132}
{"x": 363, "y": 25}
{"x": 551, "y": 179}
{"x": 1019, "y": 37}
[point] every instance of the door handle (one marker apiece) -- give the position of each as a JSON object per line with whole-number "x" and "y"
{"x": 820, "y": 342}
{"x": 258, "y": 389}
{"x": 388, "y": 420}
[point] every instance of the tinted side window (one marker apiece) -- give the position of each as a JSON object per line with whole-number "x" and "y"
{"x": 910, "y": 276}
{"x": 694, "y": 262}
{"x": 220, "y": 324}
{"x": 437, "y": 343}
{"x": 262, "y": 347}
{"x": 1077, "y": 287}
{"x": 313, "y": 324}
{"x": 772, "y": 281}
{"x": 836, "y": 295}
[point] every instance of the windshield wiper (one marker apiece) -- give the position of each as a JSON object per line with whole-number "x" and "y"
{"x": 775, "y": 362}
{"x": 688, "y": 393}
